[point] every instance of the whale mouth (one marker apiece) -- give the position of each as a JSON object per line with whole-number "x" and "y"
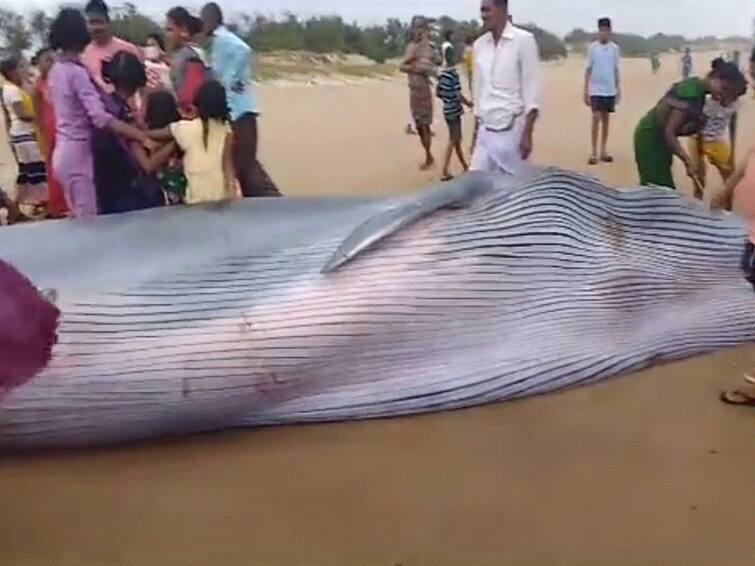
{"x": 28, "y": 329}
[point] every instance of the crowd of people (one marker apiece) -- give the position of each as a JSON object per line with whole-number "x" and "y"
{"x": 104, "y": 126}
{"x": 109, "y": 127}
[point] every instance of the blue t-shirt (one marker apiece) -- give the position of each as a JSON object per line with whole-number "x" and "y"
{"x": 603, "y": 63}
{"x": 231, "y": 64}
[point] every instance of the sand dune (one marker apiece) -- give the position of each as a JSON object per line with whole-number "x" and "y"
{"x": 647, "y": 469}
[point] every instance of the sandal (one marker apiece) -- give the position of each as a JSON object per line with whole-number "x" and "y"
{"x": 737, "y": 397}
{"x": 750, "y": 378}
{"x": 445, "y": 178}
{"x": 592, "y": 161}
{"x": 606, "y": 158}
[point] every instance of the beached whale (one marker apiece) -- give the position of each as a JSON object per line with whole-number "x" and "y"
{"x": 259, "y": 312}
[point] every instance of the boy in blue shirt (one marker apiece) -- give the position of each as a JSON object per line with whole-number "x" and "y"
{"x": 602, "y": 90}
{"x": 449, "y": 91}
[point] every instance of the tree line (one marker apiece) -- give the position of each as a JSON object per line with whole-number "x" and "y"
{"x": 328, "y": 34}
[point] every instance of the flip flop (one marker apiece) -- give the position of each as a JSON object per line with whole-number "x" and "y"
{"x": 605, "y": 158}
{"x": 445, "y": 178}
{"x": 592, "y": 161}
{"x": 749, "y": 378}
{"x": 737, "y": 397}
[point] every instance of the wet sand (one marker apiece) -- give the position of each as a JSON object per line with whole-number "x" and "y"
{"x": 645, "y": 469}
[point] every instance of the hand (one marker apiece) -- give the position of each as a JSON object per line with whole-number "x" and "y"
{"x": 150, "y": 144}
{"x": 586, "y": 99}
{"x": 720, "y": 201}
{"x": 525, "y": 145}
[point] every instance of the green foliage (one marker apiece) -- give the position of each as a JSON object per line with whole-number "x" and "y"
{"x": 129, "y": 24}
{"x": 631, "y": 45}
{"x": 15, "y": 35}
{"x": 39, "y": 26}
{"x": 549, "y": 46}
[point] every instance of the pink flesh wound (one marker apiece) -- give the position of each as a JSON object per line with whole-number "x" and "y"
{"x": 28, "y": 325}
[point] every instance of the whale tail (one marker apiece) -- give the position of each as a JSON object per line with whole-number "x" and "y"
{"x": 28, "y": 329}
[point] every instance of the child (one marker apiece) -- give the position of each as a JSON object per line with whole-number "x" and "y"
{"x": 79, "y": 109}
{"x": 31, "y": 183}
{"x": 123, "y": 172}
{"x": 449, "y": 91}
{"x": 45, "y": 58}
{"x": 162, "y": 111}
{"x": 206, "y": 143}
{"x": 711, "y": 142}
{"x": 602, "y": 91}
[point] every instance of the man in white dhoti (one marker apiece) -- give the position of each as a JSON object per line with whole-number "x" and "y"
{"x": 506, "y": 90}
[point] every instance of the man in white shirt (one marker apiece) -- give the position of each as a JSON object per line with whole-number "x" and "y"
{"x": 602, "y": 91}
{"x": 506, "y": 91}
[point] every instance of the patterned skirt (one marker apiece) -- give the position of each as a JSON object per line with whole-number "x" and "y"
{"x": 32, "y": 175}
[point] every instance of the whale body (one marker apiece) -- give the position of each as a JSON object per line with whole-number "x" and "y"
{"x": 271, "y": 311}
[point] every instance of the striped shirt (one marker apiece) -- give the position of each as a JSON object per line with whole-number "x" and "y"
{"x": 449, "y": 91}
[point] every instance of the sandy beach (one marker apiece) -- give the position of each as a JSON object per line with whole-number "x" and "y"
{"x": 648, "y": 468}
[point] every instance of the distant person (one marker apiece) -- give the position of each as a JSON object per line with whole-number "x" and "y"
{"x": 602, "y": 88}
{"x": 655, "y": 62}
{"x": 687, "y": 64}
{"x": 420, "y": 63}
{"x": 45, "y": 58}
{"x": 190, "y": 65}
{"x": 123, "y": 170}
{"x": 680, "y": 114}
{"x": 449, "y": 91}
{"x": 506, "y": 91}
{"x": 447, "y": 44}
{"x": 206, "y": 142}
{"x": 231, "y": 62}
{"x": 104, "y": 44}
{"x": 78, "y": 110}
{"x": 156, "y": 63}
{"x": 31, "y": 181}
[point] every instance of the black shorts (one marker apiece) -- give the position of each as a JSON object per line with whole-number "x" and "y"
{"x": 603, "y": 104}
{"x": 748, "y": 263}
{"x": 454, "y": 129}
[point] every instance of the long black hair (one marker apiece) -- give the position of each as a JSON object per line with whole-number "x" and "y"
{"x": 161, "y": 110}
{"x": 125, "y": 72}
{"x": 69, "y": 31}
{"x": 212, "y": 104}
{"x": 729, "y": 72}
{"x": 183, "y": 19}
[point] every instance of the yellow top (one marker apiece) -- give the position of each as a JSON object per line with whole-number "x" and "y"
{"x": 203, "y": 166}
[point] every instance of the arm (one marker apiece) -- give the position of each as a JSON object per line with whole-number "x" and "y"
{"x": 228, "y": 172}
{"x": 618, "y": 76}
{"x": 153, "y": 163}
{"x": 162, "y": 134}
{"x": 20, "y": 111}
{"x": 530, "y": 92}
{"x": 674, "y": 122}
{"x": 477, "y": 86}
{"x": 406, "y": 65}
{"x": 733, "y": 137}
{"x": 725, "y": 198}
{"x": 588, "y": 76}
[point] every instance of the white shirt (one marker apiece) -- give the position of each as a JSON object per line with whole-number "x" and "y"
{"x": 506, "y": 77}
{"x": 11, "y": 95}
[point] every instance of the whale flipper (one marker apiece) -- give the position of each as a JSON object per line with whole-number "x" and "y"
{"x": 456, "y": 194}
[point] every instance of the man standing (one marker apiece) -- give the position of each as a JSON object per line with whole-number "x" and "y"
{"x": 602, "y": 89}
{"x": 104, "y": 44}
{"x": 231, "y": 64}
{"x": 506, "y": 85}
{"x": 420, "y": 63}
